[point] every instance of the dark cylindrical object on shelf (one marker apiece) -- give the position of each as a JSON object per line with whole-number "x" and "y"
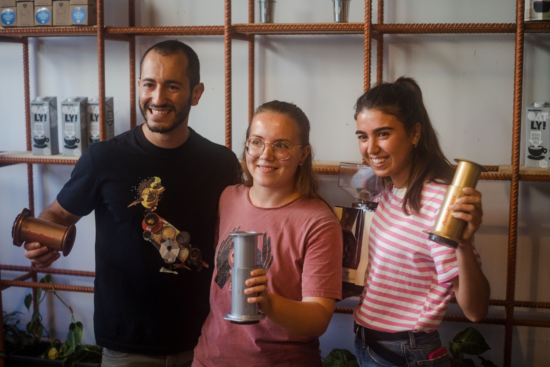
{"x": 266, "y": 11}
{"x": 447, "y": 229}
{"x": 245, "y": 260}
{"x": 26, "y": 228}
{"x": 341, "y": 11}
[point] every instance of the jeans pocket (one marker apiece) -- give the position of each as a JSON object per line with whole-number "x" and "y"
{"x": 442, "y": 361}
{"x": 376, "y": 360}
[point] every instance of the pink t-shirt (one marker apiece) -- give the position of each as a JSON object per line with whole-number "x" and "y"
{"x": 409, "y": 277}
{"x": 302, "y": 251}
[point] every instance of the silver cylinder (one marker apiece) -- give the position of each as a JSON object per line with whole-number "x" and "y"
{"x": 341, "y": 11}
{"x": 245, "y": 245}
{"x": 266, "y": 11}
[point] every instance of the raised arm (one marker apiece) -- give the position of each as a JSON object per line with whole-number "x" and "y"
{"x": 471, "y": 287}
{"x": 43, "y": 256}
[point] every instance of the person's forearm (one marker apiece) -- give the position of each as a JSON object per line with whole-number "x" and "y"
{"x": 473, "y": 288}
{"x": 54, "y": 213}
{"x": 299, "y": 318}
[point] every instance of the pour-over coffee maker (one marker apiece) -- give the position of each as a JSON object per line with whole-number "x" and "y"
{"x": 359, "y": 181}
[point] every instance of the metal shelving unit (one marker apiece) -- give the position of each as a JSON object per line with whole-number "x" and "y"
{"x": 246, "y": 33}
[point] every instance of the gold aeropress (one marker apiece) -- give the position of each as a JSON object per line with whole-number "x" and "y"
{"x": 26, "y": 228}
{"x": 447, "y": 229}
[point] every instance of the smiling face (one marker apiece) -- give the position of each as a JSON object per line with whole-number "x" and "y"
{"x": 266, "y": 170}
{"x": 165, "y": 98}
{"x": 385, "y": 145}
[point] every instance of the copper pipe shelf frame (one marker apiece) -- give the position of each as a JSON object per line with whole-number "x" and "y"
{"x": 246, "y": 32}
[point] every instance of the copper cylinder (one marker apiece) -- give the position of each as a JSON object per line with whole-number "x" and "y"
{"x": 447, "y": 229}
{"x": 26, "y": 228}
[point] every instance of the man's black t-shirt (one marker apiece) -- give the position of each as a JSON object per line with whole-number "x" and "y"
{"x": 150, "y": 296}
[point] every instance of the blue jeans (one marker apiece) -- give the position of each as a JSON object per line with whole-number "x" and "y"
{"x": 112, "y": 358}
{"x": 415, "y": 350}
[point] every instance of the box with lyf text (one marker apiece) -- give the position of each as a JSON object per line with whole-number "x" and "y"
{"x": 93, "y": 110}
{"x": 74, "y": 117}
{"x": 61, "y": 13}
{"x": 8, "y": 17}
{"x": 83, "y": 15}
{"x": 25, "y": 14}
{"x": 43, "y": 16}
{"x": 537, "y": 136}
{"x": 44, "y": 126}
{"x": 537, "y": 10}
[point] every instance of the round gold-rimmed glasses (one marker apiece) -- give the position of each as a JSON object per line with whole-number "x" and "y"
{"x": 282, "y": 150}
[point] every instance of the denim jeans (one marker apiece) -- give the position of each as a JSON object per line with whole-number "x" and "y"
{"x": 415, "y": 350}
{"x": 112, "y": 358}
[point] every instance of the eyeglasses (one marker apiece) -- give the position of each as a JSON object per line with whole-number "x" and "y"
{"x": 282, "y": 150}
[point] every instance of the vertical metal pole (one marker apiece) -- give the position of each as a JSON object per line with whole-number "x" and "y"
{"x": 380, "y": 45}
{"x": 27, "y": 88}
{"x": 251, "y": 64}
{"x": 227, "y": 39}
{"x": 368, "y": 44}
{"x": 514, "y": 185}
{"x": 132, "y": 45}
{"x": 101, "y": 68}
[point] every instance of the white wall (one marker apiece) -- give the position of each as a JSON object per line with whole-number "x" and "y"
{"x": 468, "y": 87}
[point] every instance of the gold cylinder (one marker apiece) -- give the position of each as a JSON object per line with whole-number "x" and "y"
{"x": 26, "y": 228}
{"x": 447, "y": 229}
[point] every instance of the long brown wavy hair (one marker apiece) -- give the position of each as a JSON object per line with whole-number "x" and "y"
{"x": 306, "y": 181}
{"x": 403, "y": 99}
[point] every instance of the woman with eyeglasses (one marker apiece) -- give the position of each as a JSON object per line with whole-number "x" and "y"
{"x": 299, "y": 255}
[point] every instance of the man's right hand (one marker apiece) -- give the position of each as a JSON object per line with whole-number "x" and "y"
{"x": 39, "y": 255}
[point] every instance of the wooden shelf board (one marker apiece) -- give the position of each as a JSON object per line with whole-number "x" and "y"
{"x": 537, "y": 27}
{"x": 299, "y": 28}
{"x": 14, "y": 157}
{"x": 168, "y": 31}
{"x": 524, "y": 170}
{"x": 49, "y": 31}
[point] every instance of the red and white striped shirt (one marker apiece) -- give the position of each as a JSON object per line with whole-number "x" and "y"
{"x": 408, "y": 285}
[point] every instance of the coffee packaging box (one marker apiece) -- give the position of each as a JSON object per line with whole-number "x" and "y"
{"x": 44, "y": 126}
{"x": 43, "y": 16}
{"x": 537, "y": 10}
{"x": 93, "y": 110}
{"x": 537, "y": 137}
{"x": 8, "y": 17}
{"x": 61, "y": 13}
{"x": 7, "y": 3}
{"x": 83, "y": 15}
{"x": 25, "y": 14}
{"x": 43, "y": 2}
{"x": 74, "y": 117}
{"x": 84, "y": 2}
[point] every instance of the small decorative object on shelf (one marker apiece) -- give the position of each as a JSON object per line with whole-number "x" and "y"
{"x": 25, "y": 14}
{"x": 74, "y": 117}
{"x": 83, "y": 12}
{"x": 93, "y": 110}
{"x": 341, "y": 11}
{"x": 26, "y": 228}
{"x": 61, "y": 13}
{"x": 266, "y": 11}
{"x": 8, "y": 17}
{"x": 44, "y": 126}
{"x": 244, "y": 261}
{"x": 43, "y": 16}
{"x": 447, "y": 229}
{"x": 537, "y": 10}
{"x": 537, "y": 137}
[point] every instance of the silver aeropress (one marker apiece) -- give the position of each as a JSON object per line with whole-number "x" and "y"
{"x": 245, "y": 260}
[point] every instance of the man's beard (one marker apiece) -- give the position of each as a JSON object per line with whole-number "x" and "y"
{"x": 180, "y": 116}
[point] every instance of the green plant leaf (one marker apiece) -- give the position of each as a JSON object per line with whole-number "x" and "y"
{"x": 340, "y": 358}
{"x": 456, "y": 350}
{"x": 28, "y": 301}
{"x": 72, "y": 341}
{"x": 38, "y": 295}
{"x": 469, "y": 362}
{"x": 79, "y": 329}
{"x": 471, "y": 342}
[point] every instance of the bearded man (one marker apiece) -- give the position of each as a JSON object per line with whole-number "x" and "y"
{"x": 149, "y": 308}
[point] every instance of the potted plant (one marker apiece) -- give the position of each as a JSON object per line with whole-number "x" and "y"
{"x": 471, "y": 342}
{"x": 27, "y": 348}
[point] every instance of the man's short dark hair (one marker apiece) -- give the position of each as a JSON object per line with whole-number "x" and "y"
{"x": 167, "y": 48}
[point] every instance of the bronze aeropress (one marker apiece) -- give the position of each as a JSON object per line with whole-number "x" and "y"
{"x": 26, "y": 228}
{"x": 447, "y": 229}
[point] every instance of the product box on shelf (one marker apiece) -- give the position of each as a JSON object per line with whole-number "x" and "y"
{"x": 84, "y": 2}
{"x": 25, "y": 14}
{"x": 83, "y": 15}
{"x": 44, "y": 126}
{"x": 8, "y": 17}
{"x": 43, "y": 16}
{"x": 93, "y": 109}
{"x": 7, "y": 3}
{"x": 61, "y": 13}
{"x": 74, "y": 117}
{"x": 537, "y": 137}
{"x": 537, "y": 10}
{"x": 43, "y": 2}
